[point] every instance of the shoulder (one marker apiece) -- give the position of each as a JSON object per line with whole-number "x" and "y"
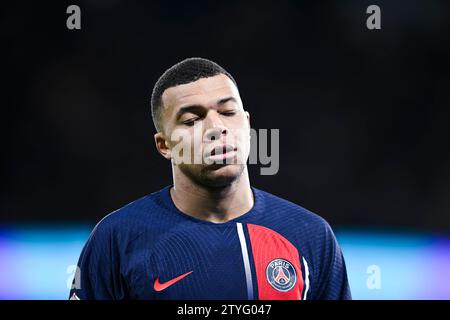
{"x": 132, "y": 219}
{"x": 311, "y": 232}
{"x": 291, "y": 212}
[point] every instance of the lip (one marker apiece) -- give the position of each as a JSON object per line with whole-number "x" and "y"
{"x": 222, "y": 156}
{"x": 228, "y": 151}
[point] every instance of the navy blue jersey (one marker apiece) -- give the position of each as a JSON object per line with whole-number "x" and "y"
{"x": 151, "y": 250}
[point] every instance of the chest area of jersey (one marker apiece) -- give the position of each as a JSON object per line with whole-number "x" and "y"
{"x": 237, "y": 261}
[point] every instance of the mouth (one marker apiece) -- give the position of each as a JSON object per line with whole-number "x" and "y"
{"x": 223, "y": 152}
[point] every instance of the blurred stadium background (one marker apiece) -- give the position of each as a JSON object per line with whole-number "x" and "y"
{"x": 39, "y": 262}
{"x": 363, "y": 118}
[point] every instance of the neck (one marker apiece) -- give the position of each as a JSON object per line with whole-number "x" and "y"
{"x": 212, "y": 204}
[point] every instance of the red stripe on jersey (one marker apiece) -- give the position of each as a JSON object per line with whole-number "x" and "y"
{"x": 268, "y": 245}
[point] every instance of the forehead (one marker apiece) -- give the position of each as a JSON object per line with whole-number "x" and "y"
{"x": 203, "y": 91}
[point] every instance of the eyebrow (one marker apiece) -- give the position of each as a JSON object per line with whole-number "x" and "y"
{"x": 196, "y": 107}
{"x": 225, "y": 100}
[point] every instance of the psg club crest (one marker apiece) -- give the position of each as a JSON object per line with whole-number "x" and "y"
{"x": 281, "y": 275}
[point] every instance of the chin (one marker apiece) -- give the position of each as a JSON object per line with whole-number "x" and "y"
{"x": 219, "y": 176}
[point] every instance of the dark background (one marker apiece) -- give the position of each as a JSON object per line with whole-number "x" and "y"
{"x": 363, "y": 115}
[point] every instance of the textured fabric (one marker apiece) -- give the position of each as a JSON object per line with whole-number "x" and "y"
{"x": 150, "y": 250}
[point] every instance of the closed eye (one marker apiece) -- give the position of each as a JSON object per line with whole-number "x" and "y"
{"x": 229, "y": 113}
{"x": 190, "y": 122}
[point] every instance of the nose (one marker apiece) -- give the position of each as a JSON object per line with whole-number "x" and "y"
{"x": 215, "y": 133}
{"x": 215, "y": 129}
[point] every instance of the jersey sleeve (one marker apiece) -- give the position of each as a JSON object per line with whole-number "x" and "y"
{"x": 97, "y": 276}
{"x": 333, "y": 282}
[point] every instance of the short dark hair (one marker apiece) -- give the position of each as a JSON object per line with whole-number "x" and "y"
{"x": 186, "y": 71}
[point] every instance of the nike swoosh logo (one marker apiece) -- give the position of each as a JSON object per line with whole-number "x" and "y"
{"x": 161, "y": 286}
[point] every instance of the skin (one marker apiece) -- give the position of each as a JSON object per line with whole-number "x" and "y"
{"x": 212, "y": 192}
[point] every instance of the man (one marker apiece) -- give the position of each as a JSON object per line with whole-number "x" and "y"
{"x": 210, "y": 235}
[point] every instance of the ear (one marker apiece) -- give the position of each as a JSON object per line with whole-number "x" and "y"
{"x": 162, "y": 145}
